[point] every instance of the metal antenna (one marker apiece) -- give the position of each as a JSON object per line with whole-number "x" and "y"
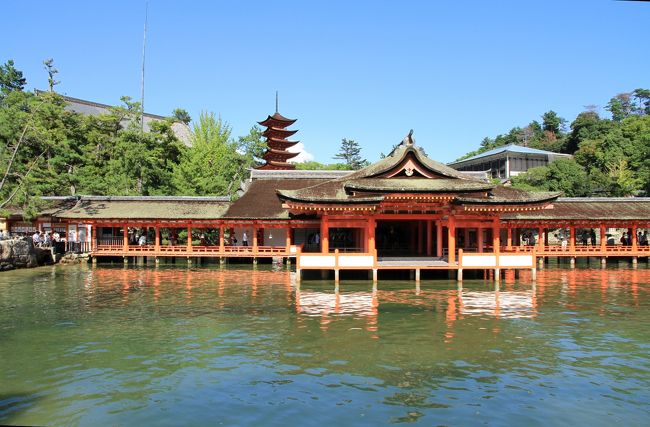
{"x": 144, "y": 50}
{"x": 276, "y": 101}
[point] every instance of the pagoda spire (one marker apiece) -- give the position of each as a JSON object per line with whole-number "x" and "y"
{"x": 276, "y": 134}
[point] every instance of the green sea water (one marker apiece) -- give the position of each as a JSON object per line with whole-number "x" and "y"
{"x": 236, "y": 346}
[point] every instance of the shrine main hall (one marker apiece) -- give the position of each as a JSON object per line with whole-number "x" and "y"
{"x": 404, "y": 212}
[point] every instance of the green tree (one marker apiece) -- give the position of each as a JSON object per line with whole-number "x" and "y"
{"x": 10, "y": 78}
{"x": 212, "y": 165}
{"x": 553, "y": 123}
{"x": 642, "y": 98}
{"x": 350, "y": 153}
{"x": 51, "y": 72}
{"x": 563, "y": 175}
{"x": 181, "y": 115}
{"x": 253, "y": 147}
{"x": 621, "y": 106}
{"x": 312, "y": 165}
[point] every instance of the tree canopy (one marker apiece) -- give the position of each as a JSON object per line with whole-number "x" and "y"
{"x": 46, "y": 150}
{"x": 611, "y": 155}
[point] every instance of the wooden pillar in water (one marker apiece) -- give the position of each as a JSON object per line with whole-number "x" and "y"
{"x": 451, "y": 238}
{"x": 126, "y": 238}
{"x": 429, "y": 238}
{"x": 324, "y": 234}
{"x": 370, "y": 233}
{"x": 156, "y": 240}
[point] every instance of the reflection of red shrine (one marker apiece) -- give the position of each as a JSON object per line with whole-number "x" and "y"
{"x": 405, "y": 212}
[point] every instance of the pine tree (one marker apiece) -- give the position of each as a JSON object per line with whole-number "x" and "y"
{"x": 350, "y": 153}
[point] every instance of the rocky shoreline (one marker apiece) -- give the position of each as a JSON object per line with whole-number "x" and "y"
{"x": 21, "y": 253}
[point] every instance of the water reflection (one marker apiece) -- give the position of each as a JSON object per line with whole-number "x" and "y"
{"x": 245, "y": 346}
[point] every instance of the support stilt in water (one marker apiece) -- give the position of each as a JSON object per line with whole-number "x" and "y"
{"x": 540, "y": 263}
{"x": 189, "y": 261}
{"x": 298, "y": 277}
{"x": 417, "y": 275}
{"x": 635, "y": 262}
{"x": 533, "y": 273}
{"x": 603, "y": 262}
{"x": 156, "y": 261}
{"x": 374, "y": 287}
{"x": 572, "y": 262}
{"x": 336, "y": 276}
{"x": 497, "y": 274}
{"x": 374, "y": 275}
{"x": 94, "y": 261}
{"x": 126, "y": 260}
{"x": 460, "y": 275}
{"x": 417, "y": 288}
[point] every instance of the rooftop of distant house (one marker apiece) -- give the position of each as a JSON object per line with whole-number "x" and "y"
{"x": 511, "y": 148}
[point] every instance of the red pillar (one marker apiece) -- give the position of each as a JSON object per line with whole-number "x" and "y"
{"x": 429, "y": 240}
{"x": 572, "y": 237}
{"x": 324, "y": 234}
{"x": 479, "y": 239}
{"x": 496, "y": 238}
{"x": 371, "y": 235}
{"x": 509, "y": 243}
{"x": 439, "y": 238}
{"x": 603, "y": 238}
{"x": 451, "y": 238}
{"x": 126, "y": 238}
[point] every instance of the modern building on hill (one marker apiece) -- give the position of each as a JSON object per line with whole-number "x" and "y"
{"x": 92, "y": 108}
{"x": 507, "y": 161}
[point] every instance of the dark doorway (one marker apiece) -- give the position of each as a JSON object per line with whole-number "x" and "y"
{"x": 402, "y": 238}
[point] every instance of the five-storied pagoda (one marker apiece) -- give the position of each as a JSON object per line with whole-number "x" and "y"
{"x": 276, "y": 133}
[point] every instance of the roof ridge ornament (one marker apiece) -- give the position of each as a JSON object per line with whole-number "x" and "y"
{"x": 408, "y": 140}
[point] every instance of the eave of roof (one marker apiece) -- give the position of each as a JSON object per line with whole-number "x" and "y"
{"x": 416, "y": 185}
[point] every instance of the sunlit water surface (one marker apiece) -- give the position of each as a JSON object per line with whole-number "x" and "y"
{"x": 113, "y": 346}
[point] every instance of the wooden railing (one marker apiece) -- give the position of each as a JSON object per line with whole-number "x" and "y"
{"x": 582, "y": 250}
{"x": 183, "y": 250}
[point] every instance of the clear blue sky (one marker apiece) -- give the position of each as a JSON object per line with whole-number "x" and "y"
{"x": 454, "y": 71}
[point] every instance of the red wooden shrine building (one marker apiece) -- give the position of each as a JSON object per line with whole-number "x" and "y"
{"x": 406, "y": 212}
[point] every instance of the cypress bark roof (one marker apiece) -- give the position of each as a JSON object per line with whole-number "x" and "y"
{"x": 409, "y": 170}
{"x": 260, "y": 201}
{"x": 590, "y": 208}
{"x": 96, "y": 207}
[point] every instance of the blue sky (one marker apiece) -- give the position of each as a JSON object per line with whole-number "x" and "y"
{"x": 454, "y": 72}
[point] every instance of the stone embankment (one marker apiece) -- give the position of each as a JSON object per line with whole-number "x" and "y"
{"x": 21, "y": 253}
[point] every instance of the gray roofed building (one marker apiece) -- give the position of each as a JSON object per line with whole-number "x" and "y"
{"x": 507, "y": 161}
{"x": 91, "y": 108}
